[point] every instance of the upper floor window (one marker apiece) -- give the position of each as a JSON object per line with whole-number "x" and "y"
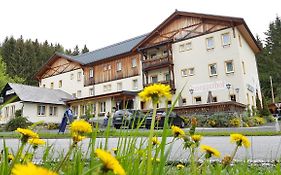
{"x": 229, "y": 66}
{"x": 167, "y": 76}
{"x": 41, "y": 110}
{"x": 210, "y": 43}
{"x": 134, "y": 62}
{"x": 191, "y": 71}
{"x": 154, "y": 79}
{"x": 52, "y": 85}
{"x": 240, "y": 40}
{"x": 198, "y": 100}
{"x": 74, "y": 95}
{"x": 79, "y": 76}
{"x": 185, "y": 47}
{"x": 79, "y": 93}
{"x": 225, "y": 39}
{"x": 153, "y": 55}
{"x": 91, "y": 74}
{"x": 91, "y": 91}
{"x": 213, "y": 69}
{"x": 135, "y": 84}
{"x": 53, "y": 111}
{"x": 119, "y": 86}
{"x": 44, "y": 85}
{"x": 243, "y": 67}
{"x": 184, "y": 72}
{"x": 233, "y": 97}
{"x": 60, "y": 83}
{"x": 119, "y": 66}
{"x": 183, "y": 101}
{"x": 71, "y": 76}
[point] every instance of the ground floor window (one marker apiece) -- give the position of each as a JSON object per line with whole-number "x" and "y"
{"x": 41, "y": 109}
{"x": 102, "y": 106}
{"x": 75, "y": 110}
{"x": 232, "y": 97}
{"x": 53, "y": 111}
{"x": 198, "y": 100}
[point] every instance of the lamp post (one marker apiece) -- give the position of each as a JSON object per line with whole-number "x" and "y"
{"x": 191, "y": 92}
{"x": 228, "y": 85}
{"x": 237, "y": 92}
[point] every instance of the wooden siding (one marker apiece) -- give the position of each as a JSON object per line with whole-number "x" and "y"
{"x": 107, "y": 70}
{"x": 61, "y": 65}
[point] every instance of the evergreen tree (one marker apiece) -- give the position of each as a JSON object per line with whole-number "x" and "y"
{"x": 85, "y": 49}
{"x": 68, "y": 52}
{"x": 76, "y": 51}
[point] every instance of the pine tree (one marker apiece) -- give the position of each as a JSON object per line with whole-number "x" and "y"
{"x": 85, "y": 49}
{"x": 76, "y": 51}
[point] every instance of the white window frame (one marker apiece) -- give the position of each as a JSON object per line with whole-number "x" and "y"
{"x": 134, "y": 62}
{"x": 119, "y": 66}
{"x": 91, "y": 92}
{"x": 41, "y": 110}
{"x": 191, "y": 71}
{"x": 226, "y": 70}
{"x": 198, "y": 102}
{"x": 60, "y": 83}
{"x": 79, "y": 93}
{"x": 53, "y": 111}
{"x": 210, "y": 70}
{"x": 135, "y": 84}
{"x": 181, "y": 48}
{"x": 79, "y": 76}
{"x": 119, "y": 86}
{"x": 71, "y": 76}
{"x": 13, "y": 110}
{"x": 102, "y": 106}
{"x": 188, "y": 46}
{"x": 184, "y": 72}
{"x": 151, "y": 78}
{"x": 223, "y": 41}
{"x": 52, "y": 85}
{"x": 207, "y": 43}
{"x": 91, "y": 73}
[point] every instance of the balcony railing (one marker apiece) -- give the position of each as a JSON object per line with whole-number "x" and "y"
{"x": 166, "y": 82}
{"x": 89, "y": 81}
{"x": 157, "y": 62}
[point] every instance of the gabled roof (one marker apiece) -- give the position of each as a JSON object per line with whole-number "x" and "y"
{"x": 109, "y": 51}
{"x": 40, "y": 95}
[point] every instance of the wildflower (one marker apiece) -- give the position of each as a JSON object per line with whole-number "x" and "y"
{"x": 240, "y": 140}
{"x": 80, "y": 127}
{"x": 194, "y": 121}
{"x": 180, "y": 166}
{"x": 10, "y": 157}
{"x": 226, "y": 160}
{"x": 30, "y": 169}
{"x": 196, "y": 138}
{"x": 157, "y": 160}
{"x": 36, "y": 142}
{"x": 155, "y": 141}
{"x": 210, "y": 151}
{"x": 77, "y": 138}
{"x": 154, "y": 92}
{"x": 114, "y": 150}
{"x": 177, "y": 132}
{"x": 27, "y": 134}
{"x": 110, "y": 162}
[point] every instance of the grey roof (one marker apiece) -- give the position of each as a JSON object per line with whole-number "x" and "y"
{"x": 40, "y": 95}
{"x": 109, "y": 51}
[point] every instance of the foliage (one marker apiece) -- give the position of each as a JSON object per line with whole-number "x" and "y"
{"x": 52, "y": 126}
{"x": 235, "y": 122}
{"x": 17, "y": 122}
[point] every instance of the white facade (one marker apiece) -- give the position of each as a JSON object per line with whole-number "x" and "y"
{"x": 8, "y": 111}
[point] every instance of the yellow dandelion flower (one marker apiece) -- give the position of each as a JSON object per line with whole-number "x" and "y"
{"x": 180, "y": 166}
{"x": 30, "y": 169}
{"x": 27, "y": 134}
{"x": 36, "y": 141}
{"x": 157, "y": 160}
{"x": 196, "y": 138}
{"x": 154, "y": 92}
{"x": 210, "y": 151}
{"x": 110, "y": 162}
{"x": 77, "y": 138}
{"x": 155, "y": 141}
{"x": 10, "y": 157}
{"x": 177, "y": 132}
{"x": 240, "y": 140}
{"x": 80, "y": 127}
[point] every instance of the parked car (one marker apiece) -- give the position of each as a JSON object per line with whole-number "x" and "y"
{"x": 127, "y": 118}
{"x": 174, "y": 119}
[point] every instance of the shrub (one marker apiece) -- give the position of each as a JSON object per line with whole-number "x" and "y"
{"x": 235, "y": 122}
{"x": 212, "y": 123}
{"x": 51, "y": 126}
{"x": 17, "y": 122}
{"x": 259, "y": 120}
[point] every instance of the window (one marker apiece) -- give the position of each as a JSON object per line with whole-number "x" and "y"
{"x": 93, "y": 108}
{"x": 188, "y": 46}
{"x": 44, "y": 85}
{"x": 109, "y": 67}
{"x": 181, "y": 48}
{"x": 167, "y": 76}
{"x": 184, "y": 72}
{"x": 243, "y": 67}
{"x": 102, "y": 106}
{"x": 183, "y": 101}
{"x": 75, "y": 110}
{"x": 13, "y": 109}
{"x": 210, "y": 43}
{"x": 225, "y": 39}
{"x": 215, "y": 99}
{"x": 79, "y": 93}
{"x": 248, "y": 98}
{"x": 7, "y": 111}
{"x": 153, "y": 55}
{"x": 240, "y": 41}
{"x": 213, "y": 69}
{"x": 119, "y": 66}
{"x": 104, "y": 88}
{"x": 198, "y": 100}
{"x": 165, "y": 53}
{"x": 232, "y": 97}
{"x": 191, "y": 71}
{"x": 53, "y": 111}
{"x": 119, "y": 86}
{"x": 229, "y": 66}
{"x": 109, "y": 87}
{"x": 83, "y": 109}
{"x": 91, "y": 91}
{"x": 79, "y": 76}
{"x": 154, "y": 79}
{"x": 105, "y": 68}
{"x": 60, "y": 83}
{"x": 71, "y": 76}
{"x": 91, "y": 74}
{"x": 135, "y": 84}
{"x": 169, "y": 103}
{"x": 52, "y": 85}
{"x": 41, "y": 110}
{"x": 74, "y": 95}
{"x": 134, "y": 62}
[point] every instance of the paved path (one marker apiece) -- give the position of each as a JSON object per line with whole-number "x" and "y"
{"x": 263, "y": 147}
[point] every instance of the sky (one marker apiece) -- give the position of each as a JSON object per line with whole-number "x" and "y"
{"x": 98, "y": 23}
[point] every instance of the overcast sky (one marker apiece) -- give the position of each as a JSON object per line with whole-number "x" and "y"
{"x": 98, "y": 23}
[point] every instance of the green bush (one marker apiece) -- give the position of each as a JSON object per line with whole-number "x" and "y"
{"x": 17, "y": 122}
{"x": 259, "y": 120}
{"x": 51, "y": 126}
{"x": 235, "y": 122}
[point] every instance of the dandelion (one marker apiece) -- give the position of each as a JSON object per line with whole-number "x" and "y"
{"x": 210, "y": 151}
{"x": 240, "y": 140}
{"x": 196, "y": 138}
{"x": 155, "y": 141}
{"x": 180, "y": 166}
{"x": 36, "y": 142}
{"x": 77, "y": 138}
{"x": 30, "y": 169}
{"x": 27, "y": 134}
{"x": 226, "y": 160}
{"x": 10, "y": 157}
{"x": 80, "y": 127}
{"x": 154, "y": 92}
{"x": 177, "y": 132}
{"x": 110, "y": 162}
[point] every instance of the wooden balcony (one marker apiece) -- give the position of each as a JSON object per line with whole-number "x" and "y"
{"x": 89, "y": 81}
{"x": 168, "y": 82}
{"x": 157, "y": 63}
